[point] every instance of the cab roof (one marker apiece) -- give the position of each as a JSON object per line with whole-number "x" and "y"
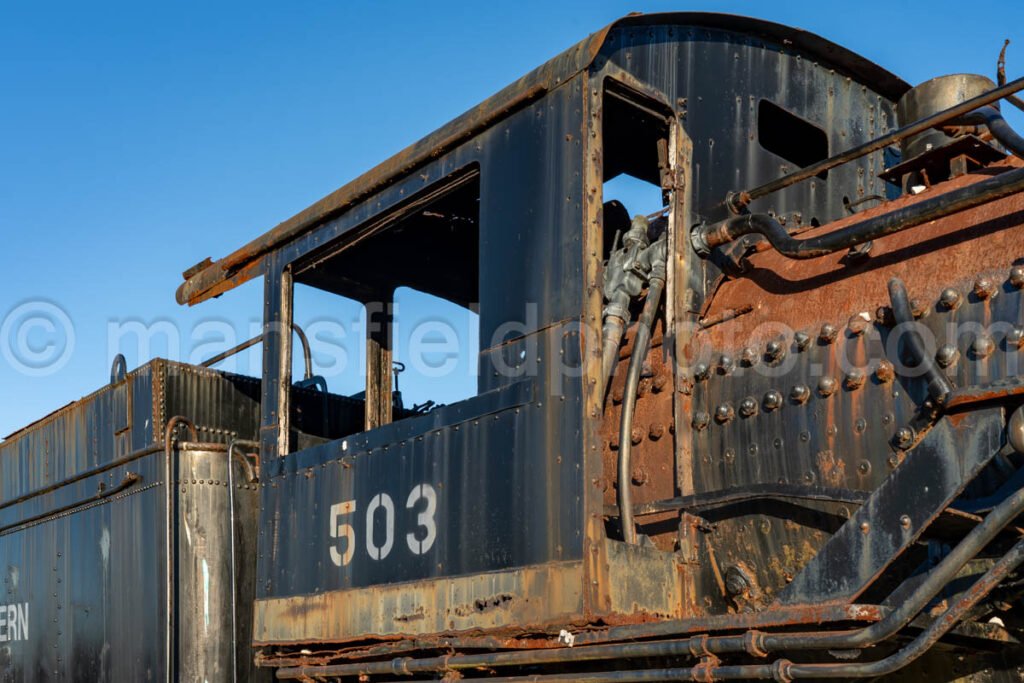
{"x": 209, "y": 278}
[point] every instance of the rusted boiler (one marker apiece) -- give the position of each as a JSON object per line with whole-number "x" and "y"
{"x": 766, "y": 426}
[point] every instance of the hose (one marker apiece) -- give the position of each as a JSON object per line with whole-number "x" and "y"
{"x": 1000, "y": 129}
{"x": 939, "y": 386}
{"x": 641, "y": 342}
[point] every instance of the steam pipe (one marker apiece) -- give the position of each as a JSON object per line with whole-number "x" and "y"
{"x": 785, "y": 670}
{"x": 641, "y": 342}
{"x": 1000, "y": 129}
{"x": 737, "y": 201}
{"x": 704, "y": 239}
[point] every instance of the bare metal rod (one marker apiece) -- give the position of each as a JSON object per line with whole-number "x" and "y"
{"x": 307, "y": 354}
{"x": 737, "y": 201}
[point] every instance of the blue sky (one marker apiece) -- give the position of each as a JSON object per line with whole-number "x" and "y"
{"x": 138, "y": 138}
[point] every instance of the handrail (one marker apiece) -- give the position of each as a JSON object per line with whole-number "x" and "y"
{"x": 737, "y": 201}
{"x": 307, "y": 354}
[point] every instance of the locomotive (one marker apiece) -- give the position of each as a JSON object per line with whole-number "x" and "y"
{"x": 770, "y": 427}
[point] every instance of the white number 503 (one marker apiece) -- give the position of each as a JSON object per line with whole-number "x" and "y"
{"x": 419, "y": 541}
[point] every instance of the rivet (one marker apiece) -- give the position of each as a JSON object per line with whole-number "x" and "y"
{"x": 865, "y": 527}
{"x": 726, "y": 365}
{"x": 826, "y": 386}
{"x": 772, "y": 400}
{"x": 904, "y": 437}
{"x": 656, "y": 431}
{"x": 799, "y": 394}
{"x": 701, "y": 420}
{"x": 883, "y": 316}
{"x": 639, "y": 476}
{"x": 774, "y": 350}
{"x": 1017, "y": 277}
{"x": 636, "y": 436}
{"x": 864, "y": 467}
{"x": 748, "y": 357}
{"x": 984, "y": 288}
{"x": 947, "y": 355}
{"x": 730, "y": 455}
{"x": 808, "y": 477}
{"x": 905, "y": 521}
{"x": 828, "y": 333}
{"x": 748, "y": 407}
{"x": 983, "y": 346}
{"x": 802, "y": 341}
{"x": 950, "y": 299}
{"x": 1014, "y": 339}
{"x": 857, "y": 324}
{"x": 854, "y": 379}
{"x": 701, "y": 372}
{"x": 724, "y": 413}
{"x": 659, "y": 382}
{"x": 885, "y": 372}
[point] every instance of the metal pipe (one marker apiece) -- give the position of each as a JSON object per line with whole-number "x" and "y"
{"x": 736, "y": 201}
{"x": 704, "y": 239}
{"x": 924, "y": 642}
{"x": 939, "y": 386}
{"x": 611, "y": 339}
{"x": 641, "y": 342}
{"x": 307, "y": 354}
{"x": 1000, "y": 129}
{"x": 169, "y": 512}
{"x": 231, "y": 520}
{"x": 129, "y": 479}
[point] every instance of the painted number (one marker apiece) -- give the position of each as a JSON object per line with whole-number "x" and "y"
{"x": 344, "y": 531}
{"x": 380, "y": 516}
{"x": 381, "y": 500}
{"x": 425, "y": 519}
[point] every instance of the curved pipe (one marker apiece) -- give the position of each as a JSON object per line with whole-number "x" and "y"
{"x": 611, "y": 336}
{"x": 307, "y": 354}
{"x": 704, "y": 239}
{"x": 939, "y": 386}
{"x": 170, "y": 515}
{"x": 1000, "y": 129}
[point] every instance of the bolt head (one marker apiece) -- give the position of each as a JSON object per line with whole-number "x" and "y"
{"x": 984, "y": 288}
{"x": 885, "y": 372}
{"x": 828, "y": 333}
{"x": 950, "y": 299}
{"x": 724, "y": 413}
{"x": 749, "y": 357}
{"x": 946, "y": 355}
{"x": 1017, "y": 277}
{"x": 748, "y": 407}
{"x": 700, "y": 420}
{"x": 726, "y": 364}
{"x": 857, "y": 324}
{"x": 774, "y": 350}
{"x": 772, "y": 400}
{"x": 983, "y": 346}
{"x": 826, "y": 386}
{"x": 802, "y": 341}
{"x": 904, "y": 437}
{"x": 854, "y": 379}
{"x": 799, "y": 394}
{"x": 701, "y": 372}
{"x": 1014, "y": 339}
